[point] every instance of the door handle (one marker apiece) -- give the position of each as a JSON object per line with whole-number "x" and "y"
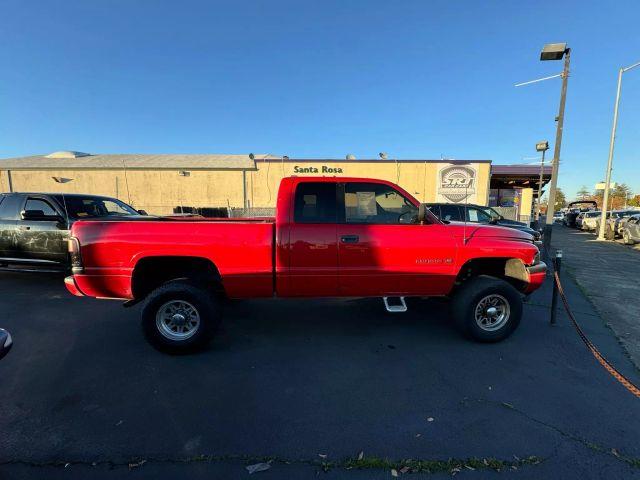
{"x": 349, "y": 239}
{"x": 24, "y": 227}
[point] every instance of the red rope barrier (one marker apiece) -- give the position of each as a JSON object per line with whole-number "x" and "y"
{"x": 603, "y": 361}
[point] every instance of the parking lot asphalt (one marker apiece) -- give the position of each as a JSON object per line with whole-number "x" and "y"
{"x": 607, "y": 273}
{"x": 304, "y": 383}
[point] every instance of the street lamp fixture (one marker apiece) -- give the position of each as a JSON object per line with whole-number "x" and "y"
{"x": 542, "y": 146}
{"x": 607, "y": 182}
{"x": 61, "y": 179}
{"x": 553, "y": 51}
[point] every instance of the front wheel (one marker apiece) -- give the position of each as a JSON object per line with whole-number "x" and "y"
{"x": 626, "y": 238}
{"x": 180, "y": 317}
{"x": 487, "y": 309}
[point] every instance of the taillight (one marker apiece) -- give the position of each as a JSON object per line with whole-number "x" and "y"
{"x": 74, "y": 255}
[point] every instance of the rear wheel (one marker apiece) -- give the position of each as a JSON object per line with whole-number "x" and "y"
{"x": 180, "y": 317}
{"x": 487, "y": 309}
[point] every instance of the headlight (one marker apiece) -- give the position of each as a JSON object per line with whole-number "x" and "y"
{"x": 536, "y": 258}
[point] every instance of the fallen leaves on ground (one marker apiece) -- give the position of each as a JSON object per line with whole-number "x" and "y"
{"x": 258, "y": 467}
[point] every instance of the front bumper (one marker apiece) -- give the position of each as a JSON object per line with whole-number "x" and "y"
{"x": 72, "y": 286}
{"x": 537, "y": 274}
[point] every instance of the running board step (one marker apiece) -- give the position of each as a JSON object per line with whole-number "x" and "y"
{"x": 394, "y": 304}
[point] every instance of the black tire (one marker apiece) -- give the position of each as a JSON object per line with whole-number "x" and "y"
{"x": 469, "y": 296}
{"x": 184, "y": 297}
{"x": 626, "y": 238}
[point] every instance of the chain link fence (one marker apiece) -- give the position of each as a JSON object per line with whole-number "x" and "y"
{"x": 252, "y": 212}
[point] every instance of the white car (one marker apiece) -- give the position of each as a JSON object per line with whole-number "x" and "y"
{"x": 589, "y": 220}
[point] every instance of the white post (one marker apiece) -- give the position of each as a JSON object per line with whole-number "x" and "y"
{"x": 607, "y": 181}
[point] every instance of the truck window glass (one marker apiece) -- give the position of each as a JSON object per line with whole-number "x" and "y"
{"x": 477, "y": 215}
{"x": 9, "y": 207}
{"x": 315, "y": 203}
{"x": 450, "y": 213}
{"x": 377, "y": 203}
{"x": 39, "y": 204}
{"x": 90, "y": 207}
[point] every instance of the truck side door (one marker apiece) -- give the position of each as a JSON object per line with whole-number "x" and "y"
{"x": 9, "y": 208}
{"x": 44, "y": 239}
{"x": 383, "y": 251}
{"x": 313, "y": 248}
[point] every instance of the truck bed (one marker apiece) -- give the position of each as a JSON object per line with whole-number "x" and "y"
{"x": 241, "y": 249}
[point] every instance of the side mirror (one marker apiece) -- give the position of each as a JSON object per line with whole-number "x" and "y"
{"x": 422, "y": 213}
{"x": 5, "y": 342}
{"x": 143, "y": 212}
{"x": 39, "y": 215}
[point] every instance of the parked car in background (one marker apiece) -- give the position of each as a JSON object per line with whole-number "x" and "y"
{"x": 589, "y": 219}
{"x": 613, "y": 229}
{"x": 558, "y": 217}
{"x": 631, "y": 231}
{"x": 619, "y": 223}
{"x": 575, "y": 208}
{"x": 451, "y": 212}
{"x": 34, "y": 227}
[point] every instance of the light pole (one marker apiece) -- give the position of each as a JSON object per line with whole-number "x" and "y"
{"x": 540, "y": 147}
{"x": 555, "y": 51}
{"x": 607, "y": 181}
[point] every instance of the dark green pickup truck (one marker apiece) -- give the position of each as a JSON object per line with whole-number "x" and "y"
{"x": 34, "y": 227}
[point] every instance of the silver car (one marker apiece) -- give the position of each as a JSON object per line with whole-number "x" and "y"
{"x": 622, "y": 221}
{"x": 615, "y": 222}
{"x": 631, "y": 231}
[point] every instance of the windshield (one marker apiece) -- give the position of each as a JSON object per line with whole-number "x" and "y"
{"x": 94, "y": 207}
{"x": 491, "y": 212}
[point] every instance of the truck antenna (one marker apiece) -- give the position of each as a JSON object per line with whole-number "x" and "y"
{"x": 466, "y": 212}
{"x": 126, "y": 180}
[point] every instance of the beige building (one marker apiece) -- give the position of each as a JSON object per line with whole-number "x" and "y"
{"x": 162, "y": 184}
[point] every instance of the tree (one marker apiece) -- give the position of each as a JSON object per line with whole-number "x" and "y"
{"x": 635, "y": 201}
{"x": 619, "y": 196}
{"x": 583, "y": 193}
{"x": 561, "y": 200}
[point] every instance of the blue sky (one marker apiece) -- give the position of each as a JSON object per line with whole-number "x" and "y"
{"x": 318, "y": 79}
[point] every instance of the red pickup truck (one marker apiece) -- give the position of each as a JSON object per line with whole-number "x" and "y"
{"x": 331, "y": 237}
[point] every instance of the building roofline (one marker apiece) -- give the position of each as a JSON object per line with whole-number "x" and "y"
{"x": 366, "y": 160}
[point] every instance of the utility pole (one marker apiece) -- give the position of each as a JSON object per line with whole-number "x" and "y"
{"x": 556, "y": 152}
{"x": 607, "y": 181}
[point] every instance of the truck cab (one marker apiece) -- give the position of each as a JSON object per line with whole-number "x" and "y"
{"x": 34, "y": 227}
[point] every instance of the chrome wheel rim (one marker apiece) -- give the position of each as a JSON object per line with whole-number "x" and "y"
{"x": 492, "y": 312}
{"x": 177, "y": 320}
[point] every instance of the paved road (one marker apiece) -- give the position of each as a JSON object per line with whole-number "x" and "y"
{"x": 293, "y": 380}
{"x": 609, "y": 275}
